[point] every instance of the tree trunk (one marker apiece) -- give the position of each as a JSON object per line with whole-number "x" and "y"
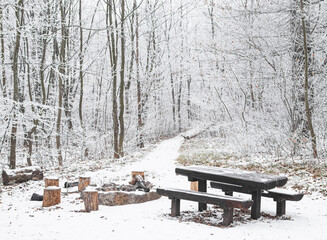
{"x": 122, "y": 82}
{"x": 19, "y": 12}
{"x": 81, "y": 60}
{"x": 189, "y": 112}
{"x": 138, "y": 86}
{"x": 113, "y": 62}
{"x": 306, "y": 86}
{"x": 62, "y": 65}
{"x": 2, "y": 42}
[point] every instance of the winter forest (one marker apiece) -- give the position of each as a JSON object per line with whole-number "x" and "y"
{"x": 94, "y": 79}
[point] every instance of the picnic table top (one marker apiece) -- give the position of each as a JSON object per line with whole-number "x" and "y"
{"x": 250, "y": 180}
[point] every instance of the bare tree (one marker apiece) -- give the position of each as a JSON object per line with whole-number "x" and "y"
{"x": 61, "y": 77}
{"x": 19, "y": 13}
{"x": 306, "y": 83}
{"x": 2, "y": 55}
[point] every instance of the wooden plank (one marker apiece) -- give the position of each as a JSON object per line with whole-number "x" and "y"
{"x": 220, "y": 200}
{"x": 230, "y": 188}
{"x": 279, "y": 195}
{"x": 282, "y": 193}
{"x": 195, "y": 186}
{"x": 238, "y": 177}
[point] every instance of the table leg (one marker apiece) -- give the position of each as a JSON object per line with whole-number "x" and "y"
{"x": 256, "y": 207}
{"x": 202, "y": 188}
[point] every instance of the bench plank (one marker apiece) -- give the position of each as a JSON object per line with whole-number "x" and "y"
{"x": 282, "y": 193}
{"x": 227, "y": 203}
{"x": 279, "y": 195}
{"x": 203, "y": 197}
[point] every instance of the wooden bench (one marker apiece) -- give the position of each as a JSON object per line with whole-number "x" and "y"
{"x": 279, "y": 195}
{"x": 227, "y": 203}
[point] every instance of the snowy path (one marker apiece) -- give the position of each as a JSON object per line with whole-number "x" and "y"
{"x": 22, "y": 219}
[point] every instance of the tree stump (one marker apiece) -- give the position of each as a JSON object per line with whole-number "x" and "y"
{"x": 195, "y": 186}
{"x": 83, "y": 183}
{"x": 91, "y": 200}
{"x": 51, "y": 181}
{"x": 51, "y": 196}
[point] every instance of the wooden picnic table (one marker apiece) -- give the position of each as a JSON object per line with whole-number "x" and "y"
{"x": 251, "y": 182}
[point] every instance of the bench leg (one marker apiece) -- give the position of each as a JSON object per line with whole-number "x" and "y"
{"x": 281, "y": 207}
{"x": 228, "y": 216}
{"x": 202, "y": 188}
{"x": 256, "y": 207}
{"x": 175, "y": 207}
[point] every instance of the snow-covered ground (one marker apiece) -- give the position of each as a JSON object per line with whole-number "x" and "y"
{"x": 23, "y": 219}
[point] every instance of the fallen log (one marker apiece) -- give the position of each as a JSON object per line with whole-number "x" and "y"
{"x": 70, "y": 184}
{"x": 10, "y": 177}
{"x": 195, "y": 132}
{"x": 36, "y": 197}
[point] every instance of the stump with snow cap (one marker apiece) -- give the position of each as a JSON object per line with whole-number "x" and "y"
{"x": 83, "y": 182}
{"x": 51, "y": 196}
{"x": 51, "y": 181}
{"x": 91, "y": 200}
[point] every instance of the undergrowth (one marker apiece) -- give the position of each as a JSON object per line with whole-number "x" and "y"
{"x": 303, "y": 175}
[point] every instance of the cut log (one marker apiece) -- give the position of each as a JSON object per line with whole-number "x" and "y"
{"x": 134, "y": 174}
{"x": 51, "y": 196}
{"x": 51, "y": 181}
{"x": 83, "y": 183}
{"x": 140, "y": 184}
{"x": 10, "y": 177}
{"x": 195, "y": 186}
{"x": 91, "y": 200}
{"x": 36, "y": 197}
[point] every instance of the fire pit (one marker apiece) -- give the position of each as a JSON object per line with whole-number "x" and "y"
{"x": 113, "y": 194}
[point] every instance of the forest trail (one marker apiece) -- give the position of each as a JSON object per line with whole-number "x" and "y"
{"x": 158, "y": 165}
